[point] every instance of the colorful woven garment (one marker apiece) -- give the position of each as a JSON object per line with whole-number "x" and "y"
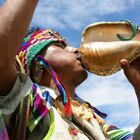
{"x": 41, "y": 103}
{"x": 114, "y": 133}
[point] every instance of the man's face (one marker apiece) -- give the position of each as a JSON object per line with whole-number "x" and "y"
{"x": 66, "y": 64}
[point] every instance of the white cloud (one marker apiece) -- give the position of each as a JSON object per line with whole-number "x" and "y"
{"x": 103, "y": 90}
{"x": 123, "y": 115}
{"x": 116, "y": 6}
{"x": 75, "y": 14}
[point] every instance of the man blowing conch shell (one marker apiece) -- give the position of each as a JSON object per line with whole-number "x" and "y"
{"x": 37, "y": 92}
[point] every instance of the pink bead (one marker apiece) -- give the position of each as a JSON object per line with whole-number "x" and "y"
{"x": 74, "y": 132}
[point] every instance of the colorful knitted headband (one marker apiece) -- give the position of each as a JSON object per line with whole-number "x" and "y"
{"x": 34, "y": 43}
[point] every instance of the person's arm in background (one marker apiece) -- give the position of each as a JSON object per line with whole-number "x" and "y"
{"x": 15, "y": 17}
{"x": 132, "y": 72}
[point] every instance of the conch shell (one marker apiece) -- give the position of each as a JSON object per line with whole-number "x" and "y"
{"x": 104, "y": 44}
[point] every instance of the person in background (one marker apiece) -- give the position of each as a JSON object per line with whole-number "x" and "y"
{"x": 37, "y": 92}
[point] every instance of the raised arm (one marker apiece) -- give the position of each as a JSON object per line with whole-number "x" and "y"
{"x": 15, "y": 17}
{"x": 132, "y": 72}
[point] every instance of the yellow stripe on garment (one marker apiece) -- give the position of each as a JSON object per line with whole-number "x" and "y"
{"x": 52, "y": 126}
{"x": 20, "y": 65}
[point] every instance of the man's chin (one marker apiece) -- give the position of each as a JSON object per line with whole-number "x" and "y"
{"x": 83, "y": 76}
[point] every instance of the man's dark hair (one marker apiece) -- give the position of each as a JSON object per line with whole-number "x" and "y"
{"x": 32, "y": 30}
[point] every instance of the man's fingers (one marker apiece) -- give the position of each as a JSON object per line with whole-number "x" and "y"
{"x": 126, "y": 67}
{"x": 124, "y": 63}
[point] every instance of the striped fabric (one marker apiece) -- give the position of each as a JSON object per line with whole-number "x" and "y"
{"x": 41, "y": 103}
{"x": 115, "y": 133}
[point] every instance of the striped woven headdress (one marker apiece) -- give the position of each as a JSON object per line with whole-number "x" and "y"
{"x": 33, "y": 44}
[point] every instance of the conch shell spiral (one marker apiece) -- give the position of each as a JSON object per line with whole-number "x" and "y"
{"x": 104, "y": 44}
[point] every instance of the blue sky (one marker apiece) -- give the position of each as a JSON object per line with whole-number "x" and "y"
{"x": 112, "y": 94}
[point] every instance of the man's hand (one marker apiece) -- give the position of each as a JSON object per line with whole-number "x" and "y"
{"x": 132, "y": 72}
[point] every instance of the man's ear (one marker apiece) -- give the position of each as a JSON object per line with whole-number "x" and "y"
{"x": 36, "y": 72}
